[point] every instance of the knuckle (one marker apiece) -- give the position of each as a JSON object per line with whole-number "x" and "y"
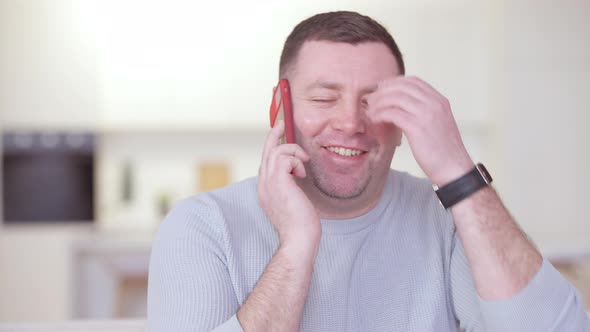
{"x": 285, "y": 162}
{"x": 446, "y": 103}
{"x": 274, "y": 153}
{"x": 442, "y": 103}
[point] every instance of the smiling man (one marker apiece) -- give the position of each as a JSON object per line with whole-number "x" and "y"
{"x": 329, "y": 238}
{"x": 349, "y": 153}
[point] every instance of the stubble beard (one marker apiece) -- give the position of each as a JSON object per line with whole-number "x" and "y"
{"x": 328, "y": 186}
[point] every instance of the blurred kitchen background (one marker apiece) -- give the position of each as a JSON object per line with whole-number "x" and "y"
{"x": 111, "y": 111}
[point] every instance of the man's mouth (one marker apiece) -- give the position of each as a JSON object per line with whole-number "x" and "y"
{"x": 345, "y": 152}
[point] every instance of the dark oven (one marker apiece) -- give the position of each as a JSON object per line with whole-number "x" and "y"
{"x": 47, "y": 177}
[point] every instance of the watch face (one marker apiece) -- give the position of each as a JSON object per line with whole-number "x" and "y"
{"x": 484, "y": 173}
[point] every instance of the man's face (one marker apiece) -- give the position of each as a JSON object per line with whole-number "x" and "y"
{"x": 330, "y": 83}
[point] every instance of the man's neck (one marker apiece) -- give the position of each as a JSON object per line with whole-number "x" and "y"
{"x": 338, "y": 208}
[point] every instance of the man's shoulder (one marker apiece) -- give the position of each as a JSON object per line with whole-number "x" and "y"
{"x": 419, "y": 208}
{"x": 410, "y": 185}
{"x": 212, "y": 211}
{"x": 417, "y": 195}
{"x": 241, "y": 194}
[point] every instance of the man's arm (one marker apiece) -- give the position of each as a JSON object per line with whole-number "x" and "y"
{"x": 276, "y": 302}
{"x": 189, "y": 286}
{"x": 547, "y": 303}
{"x": 502, "y": 259}
{"x": 516, "y": 289}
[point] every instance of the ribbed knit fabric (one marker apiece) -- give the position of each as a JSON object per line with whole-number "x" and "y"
{"x": 400, "y": 267}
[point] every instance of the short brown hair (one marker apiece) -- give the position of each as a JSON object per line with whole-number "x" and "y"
{"x": 341, "y": 26}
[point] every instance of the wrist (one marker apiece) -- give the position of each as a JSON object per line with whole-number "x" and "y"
{"x": 453, "y": 173}
{"x": 463, "y": 187}
{"x": 299, "y": 249}
{"x": 301, "y": 236}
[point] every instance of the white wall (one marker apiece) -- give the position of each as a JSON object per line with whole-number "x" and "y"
{"x": 48, "y": 66}
{"x": 544, "y": 141}
{"x": 174, "y": 64}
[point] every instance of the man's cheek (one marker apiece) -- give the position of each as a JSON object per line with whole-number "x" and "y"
{"x": 308, "y": 123}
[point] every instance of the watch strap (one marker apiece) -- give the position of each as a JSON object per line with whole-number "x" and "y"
{"x": 456, "y": 191}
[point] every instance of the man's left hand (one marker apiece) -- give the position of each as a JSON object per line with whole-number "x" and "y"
{"x": 424, "y": 115}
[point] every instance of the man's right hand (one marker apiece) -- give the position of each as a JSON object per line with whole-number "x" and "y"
{"x": 288, "y": 208}
{"x": 276, "y": 303}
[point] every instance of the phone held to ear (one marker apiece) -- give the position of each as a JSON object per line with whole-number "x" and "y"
{"x": 281, "y": 109}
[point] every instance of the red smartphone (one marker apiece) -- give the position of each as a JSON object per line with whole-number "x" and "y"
{"x": 281, "y": 109}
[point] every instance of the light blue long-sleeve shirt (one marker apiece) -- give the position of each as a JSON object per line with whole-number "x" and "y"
{"x": 399, "y": 267}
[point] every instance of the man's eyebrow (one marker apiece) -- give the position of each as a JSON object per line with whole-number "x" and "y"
{"x": 337, "y": 86}
{"x": 324, "y": 85}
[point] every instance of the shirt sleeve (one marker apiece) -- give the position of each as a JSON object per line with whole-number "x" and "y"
{"x": 231, "y": 325}
{"x": 548, "y": 303}
{"x": 189, "y": 286}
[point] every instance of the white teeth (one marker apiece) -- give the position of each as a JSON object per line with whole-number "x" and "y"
{"x": 344, "y": 152}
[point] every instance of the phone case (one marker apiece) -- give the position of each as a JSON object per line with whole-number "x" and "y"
{"x": 281, "y": 109}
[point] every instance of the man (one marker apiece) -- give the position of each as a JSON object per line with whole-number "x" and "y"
{"x": 328, "y": 238}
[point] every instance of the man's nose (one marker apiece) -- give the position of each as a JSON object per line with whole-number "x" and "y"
{"x": 351, "y": 118}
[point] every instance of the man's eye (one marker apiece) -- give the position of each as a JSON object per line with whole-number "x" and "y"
{"x": 323, "y": 100}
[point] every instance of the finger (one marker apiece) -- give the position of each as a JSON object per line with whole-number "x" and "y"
{"x": 272, "y": 140}
{"x": 291, "y": 165}
{"x": 420, "y": 87}
{"x": 405, "y": 85}
{"x": 395, "y": 115}
{"x": 292, "y": 150}
{"x": 285, "y": 150}
{"x": 395, "y": 99}
{"x": 437, "y": 101}
{"x": 424, "y": 86}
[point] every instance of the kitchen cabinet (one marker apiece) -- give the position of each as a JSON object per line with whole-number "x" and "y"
{"x": 110, "y": 275}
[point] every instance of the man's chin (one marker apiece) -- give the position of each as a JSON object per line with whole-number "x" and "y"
{"x": 342, "y": 191}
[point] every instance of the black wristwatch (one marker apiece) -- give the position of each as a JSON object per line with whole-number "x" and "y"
{"x": 454, "y": 192}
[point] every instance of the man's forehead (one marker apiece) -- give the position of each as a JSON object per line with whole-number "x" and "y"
{"x": 332, "y": 65}
{"x": 313, "y": 48}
